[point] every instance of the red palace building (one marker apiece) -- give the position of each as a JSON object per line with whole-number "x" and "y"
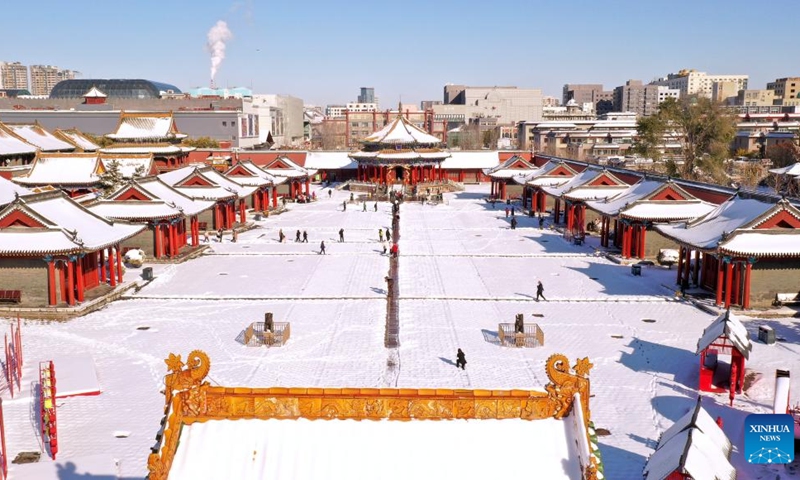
{"x": 401, "y": 153}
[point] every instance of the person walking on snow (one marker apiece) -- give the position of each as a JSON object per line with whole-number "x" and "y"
{"x": 351, "y": 196}
{"x": 541, "y": 221}
{"x": 297, "y": 237}
{"x": 364, "y": 207}
{"x": 380, "y": 235}
{"x": 219, "y": 235}
{"x": 305, "y": 236}
{"x": 513, "y": 223}
{"x": 281, "y": 236}
{"x": 376, "y": 206}
{"x": 461, "y": 360}
{"x": 507, "y": 212}
{"x": 394, "y": 250}
{"x": 540, "y": 291}
{"x": 330, "y": 192}
{"x": 235, "y": 236}
{"x": 341, "y": 235}
{"x": 322, "y": 248}
{"x": 388, "y": 235}
{"x": 205, "y": 236}
{"x": 344, "y": 205}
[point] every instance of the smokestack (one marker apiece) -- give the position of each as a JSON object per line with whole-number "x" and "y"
{"x": 217, "y": 36}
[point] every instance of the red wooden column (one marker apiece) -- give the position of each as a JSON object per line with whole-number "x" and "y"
{"x": 257, "y": 200}
{"x": 119, "y": 263}
{"x": 556, "y": 211}
{"x": 70, "y": 282}
{"x": 696, "y": 267}
{"x": 102, "y": 254}
{"x": 156, "y": 241}
{"x": 720, "y": 276}
{"x": 687, "y": 264}
{"x": 308, "y": 186}
{"x": 746, "y": 296}
{"x": 243, "y": 211}
{"x": 728, "y": 281}
{"x": 680, "y": 265}
{"x": 172, "y": 231}
{"x": 642, "y": 239}
{"x": 275, "y": 197}
{"x": 196, "y": 230}
{"x": 111, "y": 265}
{"x": 51, "y": 282}
{"x": 79, "y": 277}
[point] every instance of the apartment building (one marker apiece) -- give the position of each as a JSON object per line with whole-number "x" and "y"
{"x": 603, "y": 100}
{"x": 45, "y": 77}
{"x": 787, "y": 90}
{"x": 641, "y": 99}
{"x": 13, "y": 76}
{"x": 692, "y": 82}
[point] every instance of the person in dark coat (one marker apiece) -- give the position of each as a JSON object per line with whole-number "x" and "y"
{"x": 297, "y": 237}
{"x": 461, "y": 360}
{"x": 376, "y": 206}
{"x": 513, "y": 223}
{"x": 541, "y": 221}
{"x": 351, "y": 196}
{"x": 330, "y": 192}
{"x": 341, "y": 234}
{"x": 540, "y": 291}
{"x": 388, "y": 235}
{"x": 219, "y": 235}
{"x": 305, "y": 236}
{"x": 519, "y": 324}
{"x": 322, "y": 248}
{"x": 234, "y": 236}
{"x": 281, "y": 236}
{"x": 344, "y": 205}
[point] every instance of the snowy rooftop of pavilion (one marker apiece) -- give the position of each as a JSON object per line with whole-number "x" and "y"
{"x": 347, "y": 449}
{"x": 245, "y": 172}
{"x": 156, "y": 149}
{"x": 329, "y": 160}
{"x": 205, "y": 182}
{"x": 634, "y": 203}
{"x": 11, "y": 145}
{"x": 149, "y": 126}
{"x": 284, "y": 167}
{"x": 156, "y": 189}
{"x": 77, "y": 138}
{"x": 130, "y": 165}
{"x": 401, "y": 131}
{"x": 74, "y": 169}
{"x": 515, "y": 166}
{"x": 579, "y": 180}
{"x": 40, "y": 138}
{"x": 59, "y": 225}
{"x": 135, "y": 210}
{"x": 729, "y": 325}
{"x": 692, "y": 452}
{"x": 9, "y": 191}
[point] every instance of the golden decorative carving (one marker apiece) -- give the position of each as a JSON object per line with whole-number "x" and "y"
{"x": 563, "y": 384}
{"x": 190, "y": 399}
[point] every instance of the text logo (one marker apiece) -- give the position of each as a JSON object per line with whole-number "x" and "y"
{"x": 769, "y": 438}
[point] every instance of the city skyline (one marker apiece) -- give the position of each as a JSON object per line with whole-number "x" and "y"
{"x": 323, "y": 53}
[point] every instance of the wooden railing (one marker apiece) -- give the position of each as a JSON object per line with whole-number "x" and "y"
{"x": 531, "y": 336}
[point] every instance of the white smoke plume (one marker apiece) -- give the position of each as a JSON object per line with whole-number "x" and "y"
{"x": 217, "y": 36}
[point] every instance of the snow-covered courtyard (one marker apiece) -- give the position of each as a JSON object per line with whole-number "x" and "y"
{"x": 462, "y": 271}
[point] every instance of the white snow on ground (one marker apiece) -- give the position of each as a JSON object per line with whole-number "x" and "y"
{"x": 462, "y": 271}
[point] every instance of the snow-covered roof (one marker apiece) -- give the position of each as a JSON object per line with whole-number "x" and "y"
{"x": 728, "y": 325}
{"x": 156, "y": 188}
{"x": 67, "y": 169}
{"x": 401, "y": 131}
{"x": 10, "y": 190}
{"x": 77, "y": 138}
{"x": 257, "y": 177}
{"x": 793, "y": 170}
{"x": 347, "y": 449}
{"x": 693, "y": 453}
{"x": 635, "y": 192}
{"x": 571, "y": 183}
{"x": 389, "y": 155}
{"x": 63, "y": 226}
{"x": 129, "y": 164}
{"x": 698, "y": 418}
{"x": 138, "y": 126}
{"x": 214, "y": 185}
{"x": 40, "y": 138}
{"x": 292, "y": 169}
{"x": 135, "y": 209}
{"x": 706, "y": 232}
{"x": 594, "y": 192}
{"x": 329, "y": 160}
{"x": 514, "y": 166}
{"x": 11, "y": 145}
{"x": 666, "y": 210}
{"x": 776, "y": 243}
{"x": 471, "y": 160}
{"x": 94, "y": 92}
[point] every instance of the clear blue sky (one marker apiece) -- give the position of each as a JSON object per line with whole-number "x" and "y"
{"x": 323, "y": 51}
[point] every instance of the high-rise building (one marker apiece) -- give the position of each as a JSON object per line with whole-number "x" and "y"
{"x": 603, "y": 100}
{"x": 45, "y": 77}
{"x": 692, "y": 82}
{"x": 785, "y": 88}
{"x": 13, "y": 76}
{"x": 506, "y": 105}
{"x": 367, "y": 95}
{"x": 641, "y": 99}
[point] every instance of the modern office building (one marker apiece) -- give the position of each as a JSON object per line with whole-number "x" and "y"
{"x": 115, "y": 88}
{"x": 367, "y": 95}
{"x": 603, "y": 100}
{"x": 642, "y": 99}
{"x": 504, "y": 105}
